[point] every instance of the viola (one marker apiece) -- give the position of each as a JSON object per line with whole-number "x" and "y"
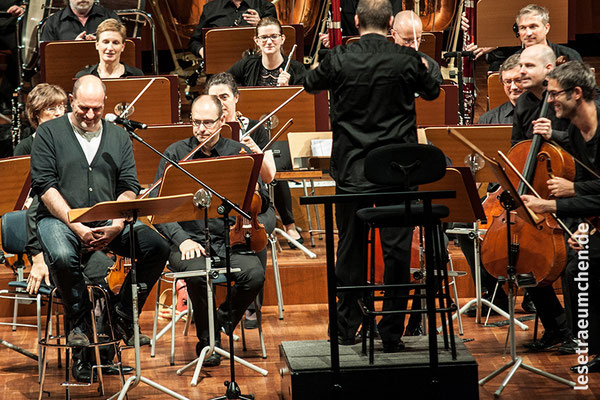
{"x": 249, "y": 232}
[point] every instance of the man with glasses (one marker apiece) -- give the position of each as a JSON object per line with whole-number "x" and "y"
{"x": 219, "y": 13}
{"x": 78, "y": 160}
{"x": 187, "y": 238}
{"x": 510, "y": 77}
{"x": 407, "y": 31}
{"x": 572, "y": 89}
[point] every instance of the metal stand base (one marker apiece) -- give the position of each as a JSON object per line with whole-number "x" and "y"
{"x": 306, "y": 251}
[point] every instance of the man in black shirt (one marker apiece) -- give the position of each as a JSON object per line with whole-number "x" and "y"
{"x": 77, "y": 21}
{"x": 571, "y": 89}
{"x": 79, "y": 160}
{"x": 510, "y": 77}
{"x": 187, "y": 238}
{"x": 219, "y": 13}
{"x": 373, "y": 84}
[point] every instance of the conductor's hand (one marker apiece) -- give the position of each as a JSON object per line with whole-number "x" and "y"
{"x": 284, "y": 78}
{"x": 190, "y": 249}
{"x": 15, "y": 10}
{"x": 543, "y": 127}
{"x": 39, "y": 273}
{"x": 252, "y": 144}
{"x": 560, "y": 187}
{"x": 251, "y": 16}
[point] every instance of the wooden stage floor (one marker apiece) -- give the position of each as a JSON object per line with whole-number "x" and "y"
{"x": 18, "y": 374}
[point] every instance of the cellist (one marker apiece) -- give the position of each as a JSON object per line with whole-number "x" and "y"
{"x": 571, "y": 92}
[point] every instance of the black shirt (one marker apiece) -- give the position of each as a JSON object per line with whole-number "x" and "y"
{"x": 586, "y": 202}
{"x": 58, "y": 161}
{"x": 249, "y": 70}
{"x": 218, "y": 13}
{"x": 177, "y": 232}
{"x": 433, "y": 67}
{"x": 373, "y": 84}
{"x": 527, "y": 109}
{"x": 93, "y": 70}
{"x": 64, "y": 25}
{"x": 9, "y": 23}
{"x": 503, "y": 114}
{"x": 499, "y": 55}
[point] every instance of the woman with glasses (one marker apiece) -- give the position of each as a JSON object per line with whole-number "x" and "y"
{"x": 110, "y": 43}
{"x": 266, "y": 68}
{"x": 44, "y": 102}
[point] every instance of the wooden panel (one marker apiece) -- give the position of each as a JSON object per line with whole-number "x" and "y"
{"x": 496, "y": 18}
{"x": 14, "y": 172}
{"x": 431, "y": 112}
{"x": 59, "y": 65}
{"x": 496, "y": 94}
{"x": 309, "y": 111}
{"x": 224, "y": 46}
{"x": 158, "y": 105}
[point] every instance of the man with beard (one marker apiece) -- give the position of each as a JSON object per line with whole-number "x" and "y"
{"x": 78, "y": 21}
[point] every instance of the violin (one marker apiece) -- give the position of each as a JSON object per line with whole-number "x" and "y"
{"x": 117, "y": 274}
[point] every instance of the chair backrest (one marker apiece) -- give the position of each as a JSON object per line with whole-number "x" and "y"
{"x": 405, "y": 165}
{"x": 14, "y": 232}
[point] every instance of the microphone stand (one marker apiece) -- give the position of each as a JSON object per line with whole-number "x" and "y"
{"x": 233, "y": 390}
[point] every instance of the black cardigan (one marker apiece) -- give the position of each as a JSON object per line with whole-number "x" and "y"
{"x": 247, "y": 71}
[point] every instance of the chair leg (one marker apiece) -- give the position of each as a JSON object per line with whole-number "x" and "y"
{"x": 439, "y": 280}
{"x": 38, "y": 318}
{"x": 95, "y": 340}
{"x": 277, "y": 277}
{"x": 155, "y": 322}
{"x": 244, "y": 348}
{"x": 447, "y": 293}
{"x": 261, "y": 338}
{"x": 173, "y": 316}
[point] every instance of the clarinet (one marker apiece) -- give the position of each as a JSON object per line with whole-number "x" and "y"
{"x": 469, "y": 95}
{"x": 15, "y": 128}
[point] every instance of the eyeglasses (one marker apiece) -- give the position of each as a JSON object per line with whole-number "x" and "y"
{"x": 409, "y": 42}
{"x": 509, "y": 82}
{"x": 54, "y": 109}
{"x": 273, "y": 37}
{"x": 553, "y": 95}
{"x": 208, "y": 124}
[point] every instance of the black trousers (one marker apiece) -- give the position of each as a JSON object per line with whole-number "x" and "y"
{"x": 349, "y": 270}
{"x": 248, "y": 283}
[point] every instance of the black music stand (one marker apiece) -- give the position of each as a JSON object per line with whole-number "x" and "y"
{"x": 131, "y": 210}
{"x": 511, "y": 201}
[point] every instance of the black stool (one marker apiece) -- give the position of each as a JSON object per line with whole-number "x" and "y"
{"x": 400, "y": 167}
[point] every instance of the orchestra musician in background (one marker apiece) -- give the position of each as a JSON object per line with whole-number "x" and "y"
{"x": 372, "y": 84}
{"x": 77, "y": 21}
{"x": 571, "y": 92}
{"x": 187, "y": 238}
{"x": 219, "y": 13}
{"x": 510, "y": 77}
{"x": 110, "y": 43}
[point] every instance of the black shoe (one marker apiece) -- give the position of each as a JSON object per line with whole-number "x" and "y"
{"x": 114, "y": 370}
{"x": 527, "y": 304}
{"x": 214, "y": 360}
{"x": 124, "y": 329}
{"x": 568, "y": 346}
{"x": 416, "y": 330}
{"x": 78, "y": 337}
{"x": 251, "y": 323}
{"x": 82, "y": 371}
{"x": 299, "y": 240}
{"x": 224, "y": 324}
{"x": 548, "y": 341}
{"x": 393, "y": 347}
{"x": 592, "y": 366}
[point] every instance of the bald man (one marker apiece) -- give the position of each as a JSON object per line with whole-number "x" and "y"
{"x": 407, "y": 31}
{"x": 535, "y": 63}
{"x": 79, "y": 160}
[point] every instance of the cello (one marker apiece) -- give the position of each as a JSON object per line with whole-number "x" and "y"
{"x": 541, "y": 248}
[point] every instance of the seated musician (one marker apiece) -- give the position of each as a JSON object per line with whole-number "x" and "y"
{"x": 220, "y": 13}
{"x": 536, "y": 62}
{"x": 266, "y": 69}
{"x": 110, "y": 43}
{"x": 77, "y": 21}
{"x": 224, "y": 87}
{"x": 407, "y": 31}
{"x": 187, "y": 239}
{"x": 8, "y": 41}
{"x": 571, "y": 89}
{"x": 510, "y": 77}
{"x": 95, "y": 165}
{"x": 532, "y": 25}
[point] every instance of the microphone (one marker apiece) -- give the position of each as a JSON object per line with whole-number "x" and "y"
{"x": 454, "y": 54}
{"x": 202, "y": 198}
{"x": 127, "y": 123}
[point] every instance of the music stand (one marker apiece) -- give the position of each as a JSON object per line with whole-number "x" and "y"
{"x": 511, "y": 201}
{"x": 131, "y": 210}
{"x": 474, "y": 232}
{"x": 234, "y": 177}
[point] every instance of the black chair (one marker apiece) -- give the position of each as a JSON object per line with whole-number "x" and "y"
{"x": 401, "y": 167}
